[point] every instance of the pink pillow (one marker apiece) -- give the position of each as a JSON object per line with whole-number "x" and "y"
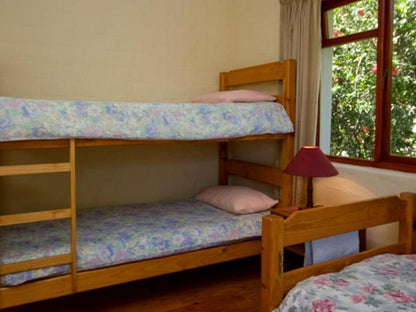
{"x": 233, "y": 97}
{"x": 236, "y": 199}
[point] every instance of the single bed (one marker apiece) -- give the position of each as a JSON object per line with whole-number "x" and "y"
{"x": 125, "y": 233}
{"x": 72, "y": 258}
{"x": 27, "y": 119}
{"x": 377, "y": 279}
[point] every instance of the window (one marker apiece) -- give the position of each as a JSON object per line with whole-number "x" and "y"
{"x": 368, "y": 90}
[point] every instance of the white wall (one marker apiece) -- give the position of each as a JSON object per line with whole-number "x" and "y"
{"x": 356, "y": 183}
{"x": 126, "y": 50}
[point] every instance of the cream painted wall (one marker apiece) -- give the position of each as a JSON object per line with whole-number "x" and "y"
{"x": 145, "y": 50}
{"x": 127, "y": 50}
{"x": 356, "y": 183}
{"x": 254, "y": 32}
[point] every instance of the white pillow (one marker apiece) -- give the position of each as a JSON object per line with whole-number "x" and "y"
{"x": 236, "y": 199}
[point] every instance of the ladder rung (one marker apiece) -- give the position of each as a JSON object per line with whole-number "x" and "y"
{"x": 35, "y": 216}
{"x": 34, "y": 264}
{"x": 34, "y": 169}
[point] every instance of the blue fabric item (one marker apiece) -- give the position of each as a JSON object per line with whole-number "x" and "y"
{"x": 332, "y": 247}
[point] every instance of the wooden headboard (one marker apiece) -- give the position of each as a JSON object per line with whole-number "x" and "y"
{"x": 283, "y": 73}
{"x": 310, "y": 224}
{"x": 277, "y": 71}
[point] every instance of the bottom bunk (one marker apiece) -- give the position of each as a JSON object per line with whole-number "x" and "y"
{"x": 376, "y": 279}
{"x": 118, "y": 244}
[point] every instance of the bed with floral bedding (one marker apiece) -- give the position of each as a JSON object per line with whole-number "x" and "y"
{"x": 124, "y": 233}
{"x": 35, "y": 119}
{"x": 385, "y": 282}
{"x": 380, "y": 278}
{"x": 61, "y": 251}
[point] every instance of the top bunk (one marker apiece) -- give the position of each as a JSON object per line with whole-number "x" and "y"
{"x": 27, "y": 123}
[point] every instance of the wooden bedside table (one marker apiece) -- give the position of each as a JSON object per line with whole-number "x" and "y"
{"x": 286, "y": 212}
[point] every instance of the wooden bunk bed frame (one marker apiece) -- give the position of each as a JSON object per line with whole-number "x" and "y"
{"x": 311, "y": 224}
{"x": 75, "y": 282}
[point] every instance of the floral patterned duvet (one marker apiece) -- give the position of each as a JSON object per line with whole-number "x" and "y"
{"x": 119, "y": 234}
{"x": 24, "y": 119}
{"x": 382, "y": 283}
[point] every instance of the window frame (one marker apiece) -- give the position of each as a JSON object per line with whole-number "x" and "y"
{"x": 382, "y": 157}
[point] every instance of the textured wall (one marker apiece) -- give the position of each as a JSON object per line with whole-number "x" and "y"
{"x": 126, "y": 50}
{"x": 143, "y": 50}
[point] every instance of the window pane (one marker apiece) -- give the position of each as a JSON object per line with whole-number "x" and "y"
{"x": 353, "y": 18}
{"x": 353, "y": 99}
{"x": 403, "y": 106}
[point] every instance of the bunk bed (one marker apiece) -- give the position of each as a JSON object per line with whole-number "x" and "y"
{"x": 376, "y": 279}
{"x": 67, "y": 270}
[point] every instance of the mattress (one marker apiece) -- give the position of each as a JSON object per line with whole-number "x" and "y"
{"x": 381, "y": 283}
{"x": 119, "y": 234}
{"x": 26, "y": 119}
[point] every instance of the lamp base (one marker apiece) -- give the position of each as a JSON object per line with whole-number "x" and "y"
{"x": 309, "y": 193}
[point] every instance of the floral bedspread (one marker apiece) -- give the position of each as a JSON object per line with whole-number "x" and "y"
{"x": 382, "y": 283}
{"x": 119, "y": 234}
{"x": 24, "y": 119}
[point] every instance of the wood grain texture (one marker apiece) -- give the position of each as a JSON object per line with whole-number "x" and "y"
{"x": 129, "y": 272}
{"x": 154, "y": 267}
{"x": 222, "y": 163}
{"x": 257, "y": 172}
{"x": 33, "y": 169}
{"x": 28, "y": 217}
{"x": 64, "y": 143}
{"x": 73, "y": 204}
{"x": 254, "y": 74}
{"x": 310, "y": 224}
{"x": 271, "y": 262}
{"x": 226, "y": 287}
{"x": 84, "y": 281}
{"x": 35, "y": 291}
{"x": 34, "y": 264}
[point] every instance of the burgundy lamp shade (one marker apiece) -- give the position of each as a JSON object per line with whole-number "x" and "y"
{"x": 310, "y": 162}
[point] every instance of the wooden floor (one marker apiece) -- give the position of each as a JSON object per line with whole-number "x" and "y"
{"x": 228, "y": 287}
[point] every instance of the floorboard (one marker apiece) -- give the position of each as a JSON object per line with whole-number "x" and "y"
{"x": 228, "y": 287}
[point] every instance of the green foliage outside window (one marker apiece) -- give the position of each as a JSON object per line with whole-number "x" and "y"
{"x": 403, "y": 110}
{"x": 354, "y": 82}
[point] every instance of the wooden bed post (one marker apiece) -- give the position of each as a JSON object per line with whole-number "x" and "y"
{"x": 223, "y": 86}
{"x": 222, "y": 163}
{"x": 277, "y": 71}
{"x": 289, "y": 102}
{"x": 223, "y": 146}
{"x": 271, "y": 262}
{"x": 72, "y": 190}
{"x": 289, "y": 88}
{"x": 407, "y": 233}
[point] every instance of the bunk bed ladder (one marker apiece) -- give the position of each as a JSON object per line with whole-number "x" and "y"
{"x": 46, "y": 215}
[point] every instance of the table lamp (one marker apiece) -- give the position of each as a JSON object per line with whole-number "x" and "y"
{"x": 310, "y": 162}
